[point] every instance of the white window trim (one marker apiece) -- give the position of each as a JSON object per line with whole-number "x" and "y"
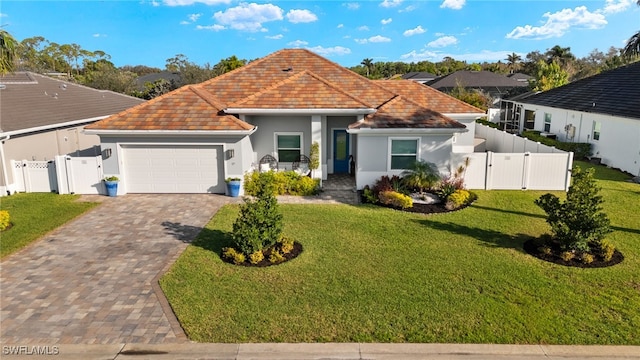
{"x": 544, "y": 123}
{"x": 275, "y": 142}
{"x": 389, "y": 154}
{"x": 596, "y": 124}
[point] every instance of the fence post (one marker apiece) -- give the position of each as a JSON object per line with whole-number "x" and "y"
{"x": 526, "y": 170}
{"x": 61, "y": 174}
{"x": 569, "y": 170}
{"x": 488, "y": 173}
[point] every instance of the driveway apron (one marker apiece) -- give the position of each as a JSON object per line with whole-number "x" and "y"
{"x": 94, "y": 280}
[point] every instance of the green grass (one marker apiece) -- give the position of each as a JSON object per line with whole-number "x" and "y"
{"x": 371, "y": 274}
{"x": 35, "y": 214}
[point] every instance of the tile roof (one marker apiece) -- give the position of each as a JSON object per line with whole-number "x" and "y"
{"x": 30, "y": 100}
{"x": 187, "y": 108}
{"x": 288, "y": 79}
{"x": 475, "y": 79}
{"x": 615, "y": 92}
{"x": 419, "y": 75}
{"x": 428, "y": 97}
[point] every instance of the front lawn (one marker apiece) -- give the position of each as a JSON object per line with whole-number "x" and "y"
{"x": 35, "y": 214}
{"x": 371, "y": 274}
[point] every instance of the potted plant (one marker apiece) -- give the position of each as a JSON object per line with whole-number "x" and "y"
{"x": 111, "y": 183}
{"x": 233, "y": 186}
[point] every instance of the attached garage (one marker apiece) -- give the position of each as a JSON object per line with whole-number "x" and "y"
{"x": 174, "y": 169}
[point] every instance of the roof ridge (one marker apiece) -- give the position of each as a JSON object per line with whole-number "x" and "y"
{"x": 250, "y": 64}
{"x": 271, "y": 87}
{"x": 100, "y": 91}
{"x": 206, "y": 96}
{"x": 337, "y": 88}
{"x": 429, "y": 88}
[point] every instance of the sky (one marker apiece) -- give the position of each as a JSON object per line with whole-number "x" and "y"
{"x": 149, "y": 32}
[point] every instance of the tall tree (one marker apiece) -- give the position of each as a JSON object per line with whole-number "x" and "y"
{"x": 8, "y": 52}
{"x": 368, "y": 65}
{"x": 513, "y": 61}
{"x": 549, "y": 76}
{"x": 632, "y": 49}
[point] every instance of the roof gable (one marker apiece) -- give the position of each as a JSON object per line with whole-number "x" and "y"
{"x": 475, "y": 79}
{"x": 615, "y": 92}
{"x": 428, "y": 97}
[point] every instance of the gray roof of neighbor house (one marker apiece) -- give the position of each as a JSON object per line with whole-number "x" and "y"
{"x": 615, "y": 92}
{"x": 419, "y": 75}
{"x": 520, "y": 77}
{"x": 485, "y": 80}
{"x": 151, "y": 78}
{"x": 29, "y": 100}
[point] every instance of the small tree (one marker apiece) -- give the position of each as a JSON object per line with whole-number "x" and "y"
{"x": 259, "y": 224}
{"x": 578, "y": 223}
{"x": 421, "y": 175}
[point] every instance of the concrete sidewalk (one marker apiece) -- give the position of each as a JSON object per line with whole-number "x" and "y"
{"x": 343, "y": 351}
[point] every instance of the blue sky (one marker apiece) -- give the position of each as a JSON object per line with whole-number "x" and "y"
{"x": 148, "y": 32}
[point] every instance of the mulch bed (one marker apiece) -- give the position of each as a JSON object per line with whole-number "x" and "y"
{"x": 297, "y": 250}
{"x": 419, "y": 207}
{"x": 532, "y": 248}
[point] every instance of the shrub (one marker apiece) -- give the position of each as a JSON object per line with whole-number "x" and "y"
{"x": 256, "y": 257}
{"x": 545, "y": 249}
{"x": 606, "y": 250}
{"x": 276, "y": 257}
{"x": 233, "y": 255}
{"x": 457, "y": 199}
{"x": 488, "y": 123}
{"x": 580, "y": 150}
{"x": 259, "y": 224}
{"x": 578, "y": 221}
{"x": 586, "y": 258}
{"x": 383, "y": 184}
{"x": 286, "y": 245}
{"x": 445, "y": 189}
{"x": 421, "y": 175}
{"x": 4, "y": 220}
{"x": 395, "y": 199}
{"x": 284, "y": 182}
{"x": 567, "y": 255}
{"x": 369, "y": 195}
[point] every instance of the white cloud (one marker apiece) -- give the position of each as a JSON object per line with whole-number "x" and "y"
{"x": 340, "y": 26}
{"x": 3, "y": 15}
{"x": 248, "y": 17}
{"x": 373, "y": 39}
{"x": 298, "y": 43}
{"x": 184, "y": 22}
{"x": 439, "y": 34}
{"x": 417, "y": 30}
{"x": 154, "y": 3}
{"x": 616, "y": 6}
{"x": 409, "y": 8}
{"x": 415, "y": 56}
{"x": 97, "y": 35}
{"x": 443, "y": 41}
{"x": 191, "y": 2}
{"x": 301, "y": 16}
{"x": 559, "y": 23}
{"x": 390, "y": 3}
{"x": 386, "y": 21}
{"x": 452, "y": 4}
{"x": 215, "y": 27}
{"x": 363, "y": 28}
{"x": 274, "y": 37}
{"x": 352, "y": 6}
{"x": 194, "y": 17}
{"x": 484, "y": 55}
{"x": 336, "y": 50}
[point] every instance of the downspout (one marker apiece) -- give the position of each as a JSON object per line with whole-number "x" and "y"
{"x": 5, "y": 176}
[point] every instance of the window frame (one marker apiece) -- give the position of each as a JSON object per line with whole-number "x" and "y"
{"x": 547, "y": 122}
{"x": 287, "y": 133}
{"x": 390, "y": 154}
{"x": 596, "y": 129}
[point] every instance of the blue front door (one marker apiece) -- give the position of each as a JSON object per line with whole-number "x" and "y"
{"x": 340, "y": 152}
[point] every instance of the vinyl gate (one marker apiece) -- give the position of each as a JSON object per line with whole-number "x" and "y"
{"x": 64, "y": 175}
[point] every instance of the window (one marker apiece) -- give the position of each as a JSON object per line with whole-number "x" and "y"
{"x": 288, "y": 146}
{"x": 596, "y": 130}
{"x": 404, "y": 152}
{"x": 547, "y": 122}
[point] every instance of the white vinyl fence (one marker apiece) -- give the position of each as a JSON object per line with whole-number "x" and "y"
{"x": 64, "y": 175}
{"x": 515, "y": 163}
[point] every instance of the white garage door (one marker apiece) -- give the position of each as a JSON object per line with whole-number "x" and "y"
{"x": 174, "y": 169}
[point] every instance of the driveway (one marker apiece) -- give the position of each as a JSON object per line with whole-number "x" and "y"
{"x": 94, "y": 280}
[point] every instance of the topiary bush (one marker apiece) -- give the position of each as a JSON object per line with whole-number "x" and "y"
{"x": 259, "y": 224}
{"x": 5, "y": 220}
{"x": 578, "y": 223}
{"x": 283, "y": 183}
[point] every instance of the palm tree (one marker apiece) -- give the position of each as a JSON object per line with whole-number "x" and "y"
{"x": 633, "y": 45}
{"x": 560, "y": 54}
{"x": 421, "y": 175}
{"x": 368, "y": 64}
{"x": 8, "y": 52}
{"x": 513, "y": 61}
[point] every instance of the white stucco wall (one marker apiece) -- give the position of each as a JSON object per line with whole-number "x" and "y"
{"x": 373, "y": 161}
{"x": 263, "y": 139}
{"x": 619, "y": 143}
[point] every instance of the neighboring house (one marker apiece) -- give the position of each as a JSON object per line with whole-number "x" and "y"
{"x": 523, "y": 78}
{"x": 169, "y": 76}
{"x": 421, "y": 77}
{"x": 492, "y": 83}
{"x": 191, "y": 139}
{"x": 603, "y": 110}
{"x": 41, "y": 117}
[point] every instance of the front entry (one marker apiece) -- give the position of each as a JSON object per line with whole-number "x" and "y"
{"x": 340, "y": 152}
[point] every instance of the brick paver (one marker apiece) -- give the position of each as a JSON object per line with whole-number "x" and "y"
{"x": 94, "y": 280}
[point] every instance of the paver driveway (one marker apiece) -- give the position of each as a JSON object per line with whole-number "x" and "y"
{"x": 94, "y": 280}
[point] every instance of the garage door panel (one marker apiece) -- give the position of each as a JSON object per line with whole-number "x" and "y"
{"x": 174, "y": 169}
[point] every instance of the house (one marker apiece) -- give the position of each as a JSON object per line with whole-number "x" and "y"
{"x": 41, "y": 117}
{"x": 603, "y": 110}
{"x": 421, "y": 76}
{"x": 168, "y": 76}
{"x": 524, "y": 78}
{"x": 191, "y": 139}
{"x": 496, "y": 85}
